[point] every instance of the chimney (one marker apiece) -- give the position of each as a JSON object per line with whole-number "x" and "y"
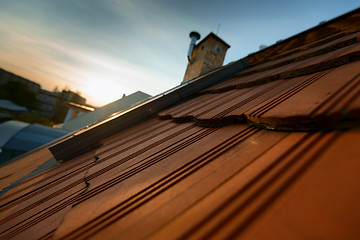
{"x": 194, "y": 37}
{"x": 207, "y": 55}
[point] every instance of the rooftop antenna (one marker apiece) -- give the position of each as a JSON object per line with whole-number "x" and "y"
{"x": 218, "y": 28}
{"x": 194, "y": 37}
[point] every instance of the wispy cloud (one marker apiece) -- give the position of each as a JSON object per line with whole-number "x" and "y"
{"x": 110, "y": 47}
{"x": 102, "y": 73}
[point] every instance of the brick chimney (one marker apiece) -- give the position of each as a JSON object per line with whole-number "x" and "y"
{"x": 205, "y": 56}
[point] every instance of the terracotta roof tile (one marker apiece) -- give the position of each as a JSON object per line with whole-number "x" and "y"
{"x": 306, "y": 168}
{"x": 325, "y": 100}
{"x": 308, "y": 52}
{"x": 206, "y": 167}
{"x": 26, "y": 209}
{"x": 312, "y": 37}
{"x": 151, "y": 186}
{"x": 18, "y": 169}
{"x": 45, "y": 181}
{"x": 287, "y": 70}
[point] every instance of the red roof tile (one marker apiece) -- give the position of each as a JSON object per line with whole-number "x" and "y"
{"x": 206, "y": 167}
{"x": 323, "y": 100}
{"x": 18, "y": 169}
{"x": 297, "y": 190}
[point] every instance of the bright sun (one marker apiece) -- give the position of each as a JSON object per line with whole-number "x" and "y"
{"x": 102, "y": 90}
{"x": 105, "y": 81}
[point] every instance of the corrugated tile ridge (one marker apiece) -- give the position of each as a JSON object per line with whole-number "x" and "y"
{"x": 158, "y": 187}
{"x": 318, "y": 123}
{"x": 145, "y": 163}
{"x": 341, "y": 98}
{"x": 261, "y": 190}
{"x": 133, "y": 155}
{"x": 62, "y": 178}
{"x": 47, "y": 212}
{"x": 220, "y": 119}
{"x": 309, "y": 46}
{"x": 335, "y": 46}
{"x": 40, "y": 216}
{"x": 62, "y": 203}
{"x": 260, "y": 57}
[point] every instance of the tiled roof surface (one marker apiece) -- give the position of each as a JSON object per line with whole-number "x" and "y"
{"x": 12, "y": 172}
{"x": 271, "y": 153}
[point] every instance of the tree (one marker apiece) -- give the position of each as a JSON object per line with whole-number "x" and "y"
{"x": 18, "y": 93}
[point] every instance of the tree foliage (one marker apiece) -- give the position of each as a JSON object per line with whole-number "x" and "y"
{"x": 18, "y": 93}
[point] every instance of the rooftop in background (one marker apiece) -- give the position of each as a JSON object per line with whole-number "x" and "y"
{"x": 82, "y": 107}
{"x": 8, "y": 105}
{"x": 17, "y": 138}
{"x": 103, "y": 112}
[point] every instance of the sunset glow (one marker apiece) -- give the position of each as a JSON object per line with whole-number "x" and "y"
{"x": 104, "y": 49}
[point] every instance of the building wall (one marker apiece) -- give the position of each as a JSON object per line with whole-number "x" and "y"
{"x": 6, "y": 76}
{"x": 61, "y": 106}
{"x": 193, "y": 70}
{"x": 46, "y": 103}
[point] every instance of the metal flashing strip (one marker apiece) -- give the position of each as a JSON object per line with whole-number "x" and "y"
{"x": 88, "y": 139}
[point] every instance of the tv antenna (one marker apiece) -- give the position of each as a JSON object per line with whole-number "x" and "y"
{"x": 218, "y": 28}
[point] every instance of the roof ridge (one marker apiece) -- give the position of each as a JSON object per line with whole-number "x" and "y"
{"x": 337, "y": 45}
{"x": 301, "y": 71}
{"x": 342, "y": 23}
{"x": 320, "y": 42}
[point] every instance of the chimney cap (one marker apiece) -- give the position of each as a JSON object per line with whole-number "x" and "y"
{"x": 216, "y": 37}
{"x": 195, "y": 34}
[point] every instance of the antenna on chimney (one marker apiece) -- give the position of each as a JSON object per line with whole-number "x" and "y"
{"x": 218, "y": 28}
{"x": 194, "y": 37}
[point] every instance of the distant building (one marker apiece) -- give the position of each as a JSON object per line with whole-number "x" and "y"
{"x": 52, "y": 105}
{"x": 77, "y": 110}
{"x": 46, "y": 103}
{"x": 6, "y": 76}
{"x": 62, "y": 107}
{"x": 105, "y": 111}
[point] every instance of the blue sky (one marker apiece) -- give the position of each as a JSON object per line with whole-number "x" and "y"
{"x": 104, "y": 48}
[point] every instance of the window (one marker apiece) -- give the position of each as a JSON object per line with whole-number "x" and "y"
{"x": 218, "y": 49}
